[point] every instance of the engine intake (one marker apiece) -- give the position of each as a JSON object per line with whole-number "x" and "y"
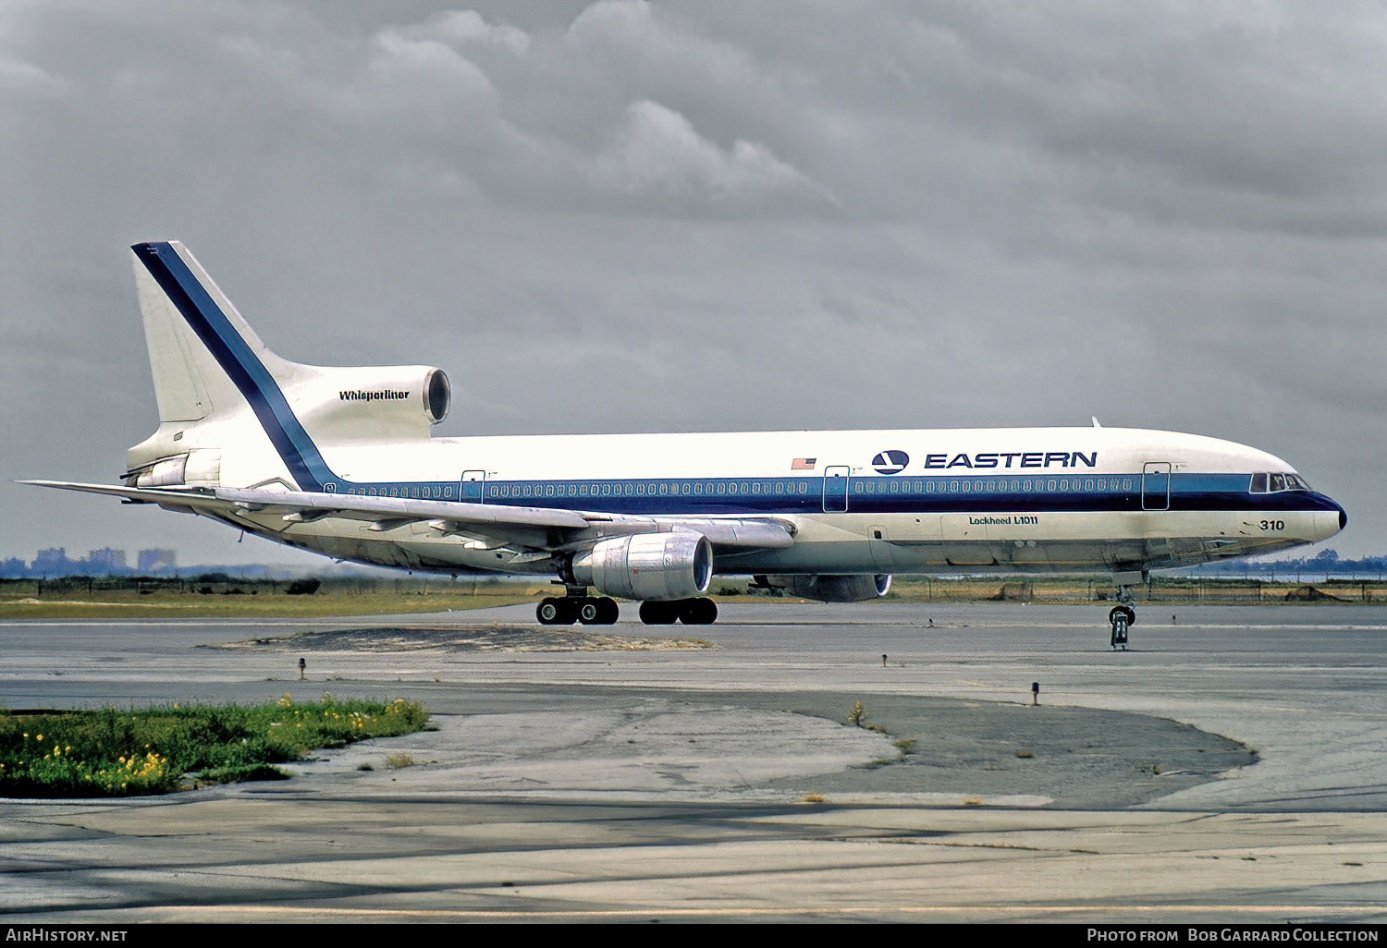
{"x": 648, "y": 566}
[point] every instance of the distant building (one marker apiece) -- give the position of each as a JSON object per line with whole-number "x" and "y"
{"x": 151, "y": 561}
{"x": 52, "y": 561}
{"x": 106, "y": 560}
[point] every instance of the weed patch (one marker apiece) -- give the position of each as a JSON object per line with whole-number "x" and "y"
{"x": 162, "y": 749}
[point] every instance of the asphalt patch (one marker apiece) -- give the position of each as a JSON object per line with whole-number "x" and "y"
{"x": 473, "y": 638}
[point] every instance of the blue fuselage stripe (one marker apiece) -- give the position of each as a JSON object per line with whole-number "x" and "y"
{"x": 805, "y": 495}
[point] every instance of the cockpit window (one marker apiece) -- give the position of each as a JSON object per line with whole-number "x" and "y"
{"x": 1276, "y": 482}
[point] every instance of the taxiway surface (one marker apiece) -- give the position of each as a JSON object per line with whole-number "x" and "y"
{"x": 1230, "y": 767}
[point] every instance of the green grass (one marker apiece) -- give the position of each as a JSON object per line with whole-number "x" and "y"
{"x": 105, "y": 604}
{"x": 159, "y": 750}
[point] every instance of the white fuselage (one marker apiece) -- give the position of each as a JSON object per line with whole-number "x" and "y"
{"x": 896, "y": 501}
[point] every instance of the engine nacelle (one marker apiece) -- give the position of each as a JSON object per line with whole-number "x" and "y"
{"x": 836, "y": 588}
{"x": 656, "y": 567}
{"x": 369, "y": 402}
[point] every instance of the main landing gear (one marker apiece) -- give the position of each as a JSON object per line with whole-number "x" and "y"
{"x": 688, "y": 611}
{"x": 566, "y": 610}
{"x": 570, "y": 609}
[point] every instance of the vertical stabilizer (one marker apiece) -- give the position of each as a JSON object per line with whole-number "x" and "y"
{"x": 219, "y": 388}
{"x": 189, "y": 383}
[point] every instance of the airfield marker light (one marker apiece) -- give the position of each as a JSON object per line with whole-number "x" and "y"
{"x": 1035, "y": 693}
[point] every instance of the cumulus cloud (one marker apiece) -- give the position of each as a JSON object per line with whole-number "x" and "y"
{"x": 657, "y": 152}
{"x": 676, "y": 215}
{"x": 464, "y": 27}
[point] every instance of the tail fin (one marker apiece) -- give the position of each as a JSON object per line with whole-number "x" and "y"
{"x": 210, "y": 366}
{"x": 191, "y": 329}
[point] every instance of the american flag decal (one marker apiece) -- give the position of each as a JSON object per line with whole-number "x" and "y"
{"x": 803, "y": 464}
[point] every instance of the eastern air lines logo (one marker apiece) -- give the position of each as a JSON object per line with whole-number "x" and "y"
{"x": 890, "y": 462}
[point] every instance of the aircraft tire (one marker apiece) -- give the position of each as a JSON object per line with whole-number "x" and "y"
{"x": 659, "y": 613}
{"x": 554, "y": 611}
{"x": 547, "y": 612}
{"x": 607, "y": 611}
{"x": 1119, "y": 632}
{"x": 1127, "y": 611}
{"x": 603, "y": 611}
{"x": 698, "y": 611}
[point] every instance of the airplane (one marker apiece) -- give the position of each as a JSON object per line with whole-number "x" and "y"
{"x": 340, "y": 461}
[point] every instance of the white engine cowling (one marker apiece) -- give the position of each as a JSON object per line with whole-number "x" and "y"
{"x": 370, "y": 402}
{"x": 837, "y": 588}
{"x": 656, "y": 567}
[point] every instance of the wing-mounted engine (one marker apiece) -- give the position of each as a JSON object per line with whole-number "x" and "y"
{"x": 658, "y": 567}
{"x": 836, "y": 588}
{"x": 368, "y": 403}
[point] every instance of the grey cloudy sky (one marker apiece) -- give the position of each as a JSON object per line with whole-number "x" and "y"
{"x": 621, "y": 216}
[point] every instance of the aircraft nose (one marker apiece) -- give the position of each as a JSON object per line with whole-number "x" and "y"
{"x": 1334, "y": 508}
{"x": 1330, "y": 518}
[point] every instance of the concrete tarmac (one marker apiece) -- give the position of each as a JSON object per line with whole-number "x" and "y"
{"x": 1229, "y": 767}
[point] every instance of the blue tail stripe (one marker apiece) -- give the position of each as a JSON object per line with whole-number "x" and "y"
{"x": 240, "y": 363}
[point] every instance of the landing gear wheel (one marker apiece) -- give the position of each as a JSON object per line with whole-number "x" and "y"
{"x": 659, "y": 613}
{"x": 1121, "y": 618}
{"x": 698, "y": 611}
{"x": 607, "y": 611}
{"x": 551, "y": 611}
{"x": 603, "y": 611}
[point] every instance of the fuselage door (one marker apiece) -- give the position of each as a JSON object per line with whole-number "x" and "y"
{"x": 1155, "y": 485}
{"x": 836, "y": 479}
{"x": 473, "y": 487}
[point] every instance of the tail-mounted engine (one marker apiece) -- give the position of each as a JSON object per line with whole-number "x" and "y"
{"x": 369, "y": 402}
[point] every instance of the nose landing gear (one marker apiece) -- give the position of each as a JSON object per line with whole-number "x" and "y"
{"x": 1121, "y": 618}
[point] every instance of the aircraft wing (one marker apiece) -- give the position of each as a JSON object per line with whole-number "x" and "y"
{"x": 538, "y": 528}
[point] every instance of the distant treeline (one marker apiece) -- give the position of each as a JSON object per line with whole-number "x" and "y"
{"x": 229, "y": 584}
{"x": 1325, "y": 562}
